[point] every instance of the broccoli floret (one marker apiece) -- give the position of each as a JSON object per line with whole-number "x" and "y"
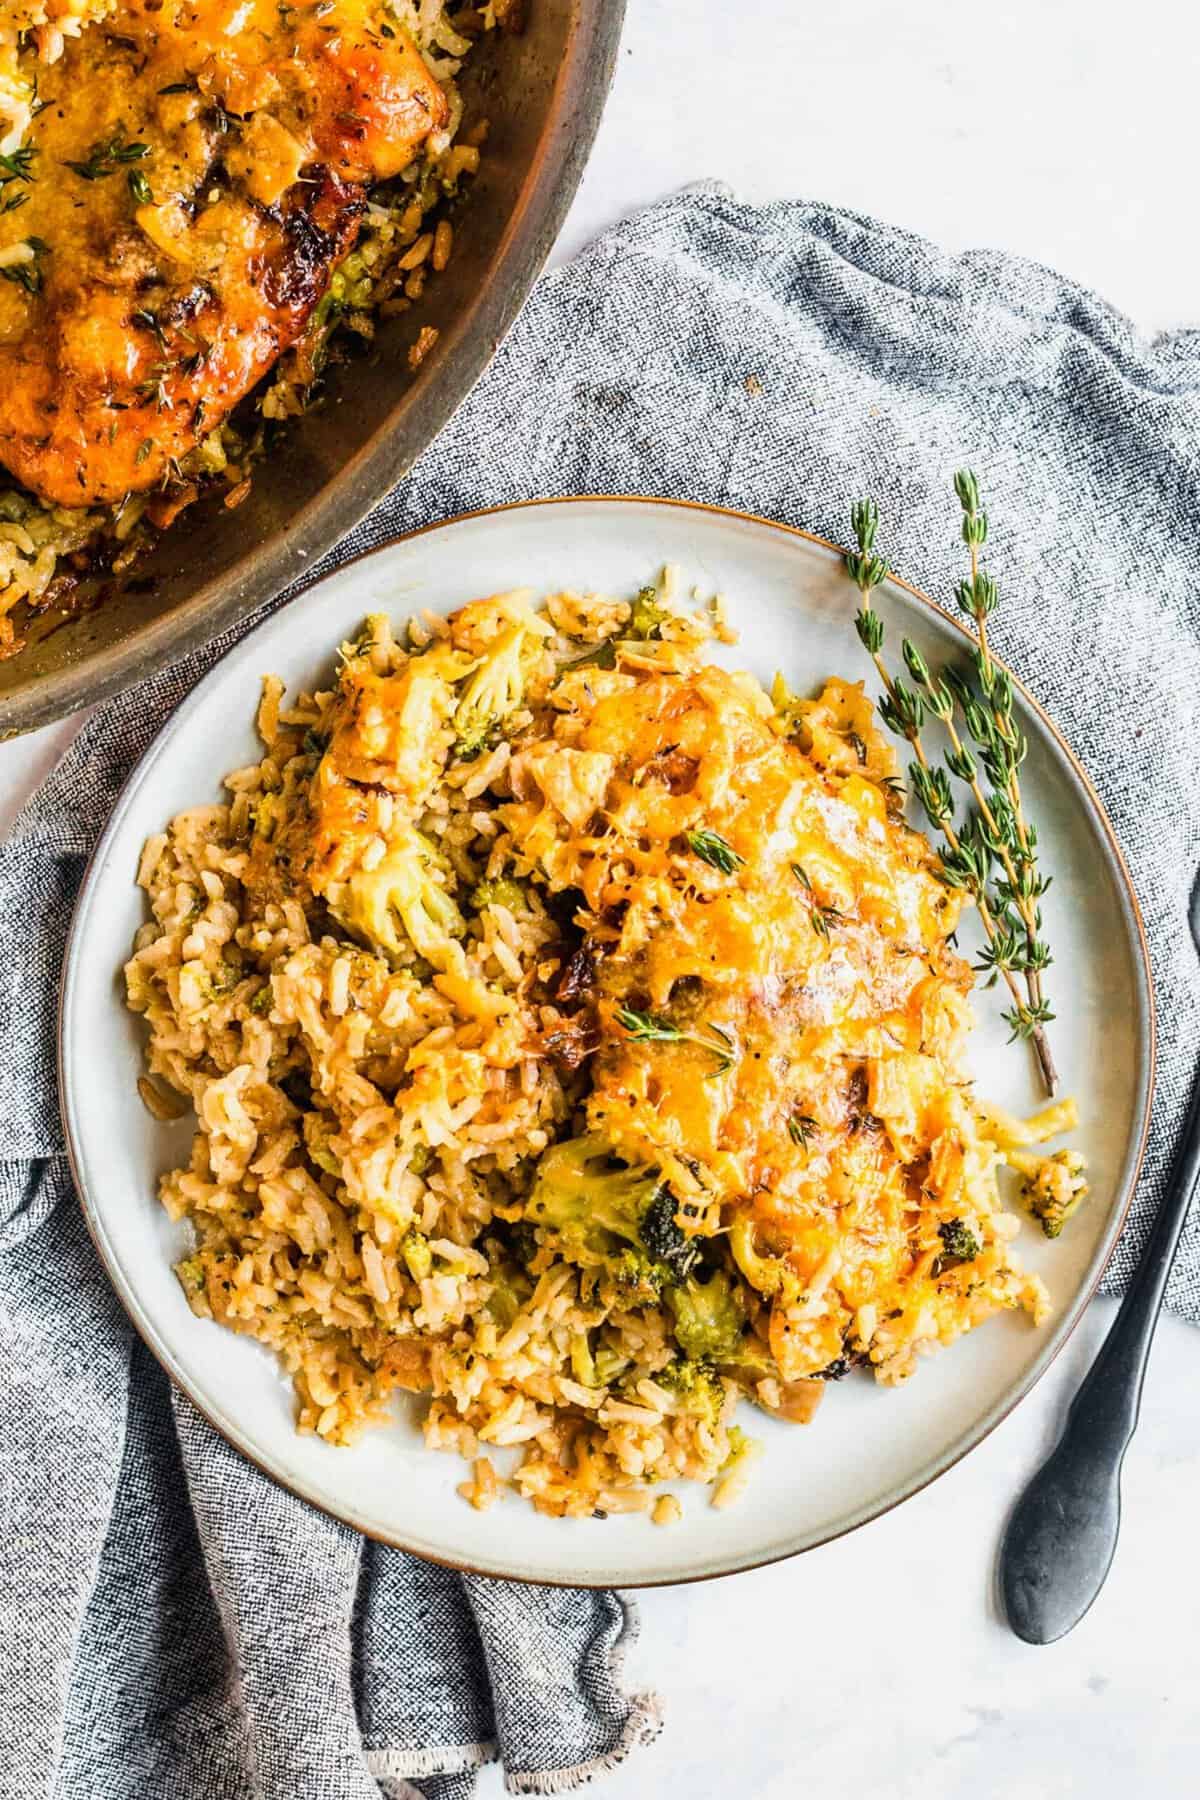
{"x": 770, "y": 1275}
{"x": 404, "y": 892}
{"x": 477, "y": 734}
{"x": 495, "y": 689}
{"x": 1052, "y": 1187}
{"x": 582, "y": 1192}
{"x": 741, "y": 1449}
{"x": 665, "y": 1239}
{"x": 417, "y": 1255}
{"x": 750, "y": 1363}
{"x": 499, "y": 893}
{"x": 376, "y": 629}
{"x": 610, "y": 1365}
{"x": 959, "y": 1240}
{"x": 789, "y": 708}
{"x": 509, "y": 1249}
{"x": 639, "y": 1280}
{"x": 646, "y": 616}
{"x": 510, "y": 1290}
{"x": 190, "y": 1274}
{"x": 708, "y": 1318}
{"x": 589, "y": 1198}
{"x": 267, "y": 815}
{"x": 698, "y": 1388}
{"x": 607, "y": 1215}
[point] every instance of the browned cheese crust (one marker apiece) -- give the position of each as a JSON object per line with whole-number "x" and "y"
{"x": 196, "y": 169}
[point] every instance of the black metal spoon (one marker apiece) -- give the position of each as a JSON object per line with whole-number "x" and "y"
{"x": 1060, "y": 1540}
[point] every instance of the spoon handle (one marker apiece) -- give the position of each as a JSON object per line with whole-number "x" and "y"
{"x": 1060, "y": 1540}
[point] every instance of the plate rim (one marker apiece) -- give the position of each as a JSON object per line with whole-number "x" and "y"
{"x": 1062, "y": 1328}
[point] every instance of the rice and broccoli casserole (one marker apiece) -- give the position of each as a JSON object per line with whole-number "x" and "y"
{"x": 202, "y": 202}
{"x": 575, "y": 1034}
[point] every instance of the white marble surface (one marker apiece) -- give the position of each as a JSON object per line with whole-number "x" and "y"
{"x": 879, "y": 1666}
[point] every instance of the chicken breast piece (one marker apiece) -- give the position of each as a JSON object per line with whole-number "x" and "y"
{"x": 195, "y": 170}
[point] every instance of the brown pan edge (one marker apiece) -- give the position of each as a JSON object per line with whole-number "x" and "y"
{"x": 421, "y": 409}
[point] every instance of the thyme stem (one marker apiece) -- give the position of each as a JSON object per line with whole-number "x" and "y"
{"x": 655, "y": 1028}
{"x": 903, "y": 710}
{"x": 979, "y": 600}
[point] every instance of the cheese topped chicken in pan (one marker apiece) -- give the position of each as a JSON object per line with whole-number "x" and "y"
{"x": 172, "y": 218}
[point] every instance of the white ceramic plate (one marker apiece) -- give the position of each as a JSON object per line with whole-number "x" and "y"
{"x": 868, "y": 1447}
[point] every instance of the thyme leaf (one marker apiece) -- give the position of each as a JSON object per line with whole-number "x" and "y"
{"x": 149, "y": 321}
{"x": 17, "y": 165}
{"x": 105, "y": 158}
{"x": 656, "y": 1028}
{"x": 715, "y": 850}
{"x": 28, "y": 274}
{"x": 801, "y": 1127}
{"x": 822, "y": 917}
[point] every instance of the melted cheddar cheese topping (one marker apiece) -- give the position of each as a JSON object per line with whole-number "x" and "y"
{"x": 819, "y": 1097}
{"x": 764, "y": 1003}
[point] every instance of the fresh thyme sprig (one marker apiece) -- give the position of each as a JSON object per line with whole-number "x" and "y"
{"x": 105, "y": 158}
{"x": 713, "y": 849}
{"x": 1003, "y": 749}
{"x": 801, "y": 1127}
{"x": 822, "y": 917}
{"x": 996, "y": 822}
{"x": 900, "y": 709}
{"x": 155, "y": 388}
{"x": 969, "y": 854}
{"x": 150, "y": 321}
{"x": 17, "y": 165}
{"x": 28, "y": 275}
{"x": 654, "y": 1028}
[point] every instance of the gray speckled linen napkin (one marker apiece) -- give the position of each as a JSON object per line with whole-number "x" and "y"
{"x": 174, "y": 1625}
